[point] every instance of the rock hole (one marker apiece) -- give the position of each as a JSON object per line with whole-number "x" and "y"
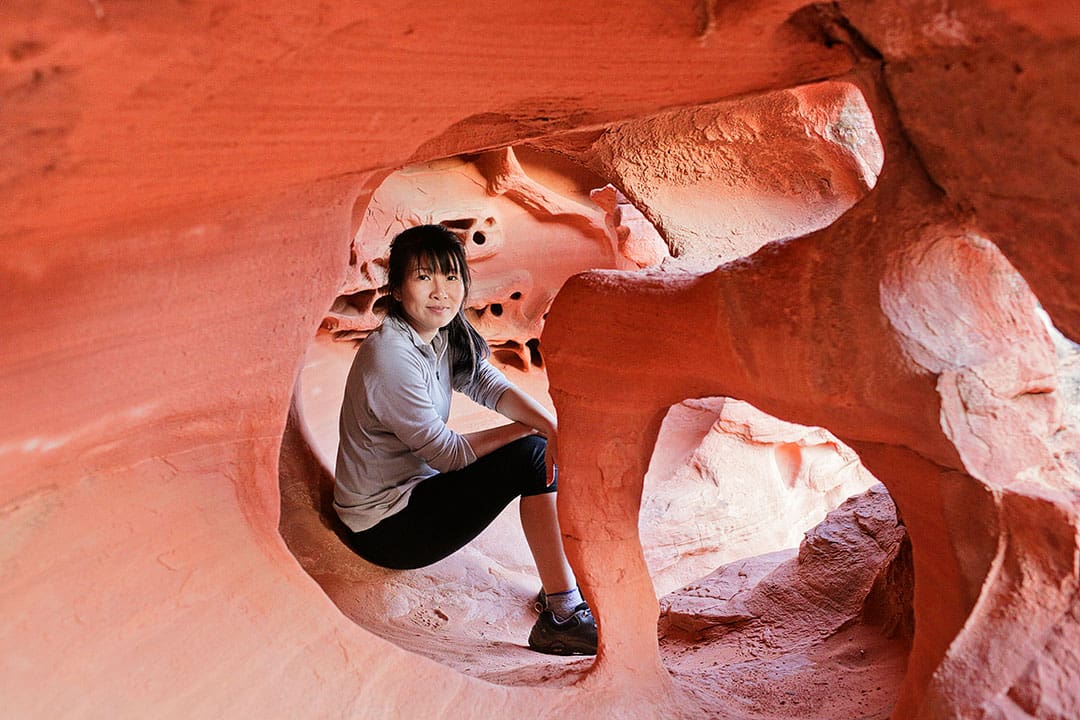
{"x": 460, "y": 224}
{"x": 510, "y": 353}
{"x": 535, "y": 357}
{"x": 382, "y": 305}
{"x": 518, "y": 253}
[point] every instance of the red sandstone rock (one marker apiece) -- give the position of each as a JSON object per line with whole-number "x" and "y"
{"x": 961, "y": 511}
{"x": 709, "y": 180}
{"x": 523, "y": 237}
{"x": 727, "y": 481}
{"x": 805, "y": 596}
{"x": 798, "y": 622}
{"x": 179, "y": 186}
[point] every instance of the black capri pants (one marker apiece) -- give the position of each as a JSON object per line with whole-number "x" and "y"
{"x": 446, "y": 511}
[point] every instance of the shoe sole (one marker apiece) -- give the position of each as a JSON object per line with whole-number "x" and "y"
{"x": 563, "y": 650}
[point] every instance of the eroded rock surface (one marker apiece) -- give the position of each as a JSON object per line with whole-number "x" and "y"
{"x": 180, "y": 185}
{"x": 801, "y": 634}
{"x": 930, "y": 391}
{"x": 728, "y": 481}
{"x": 523, "y": 236}
{"x": 721, "y": 181}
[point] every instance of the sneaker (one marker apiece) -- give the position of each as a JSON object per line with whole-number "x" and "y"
{"x": 576, "y": 635}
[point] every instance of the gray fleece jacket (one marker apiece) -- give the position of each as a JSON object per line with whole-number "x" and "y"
{"x": 392, "y": 430}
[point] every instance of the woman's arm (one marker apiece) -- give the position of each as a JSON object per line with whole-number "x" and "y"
{"x": 520, "y": 406}
{"x": 487, "y": 441}
{"x": 393, "y": 395}
{"x": 512, "y": 403}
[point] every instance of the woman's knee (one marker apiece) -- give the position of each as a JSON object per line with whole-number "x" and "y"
{"x": 536, "y": 445}
{"x": 534, "y": 449}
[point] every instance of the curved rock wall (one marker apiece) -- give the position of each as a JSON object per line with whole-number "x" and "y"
{"x": 178, "y": 190}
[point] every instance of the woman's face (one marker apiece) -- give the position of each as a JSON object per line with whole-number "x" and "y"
{"x": 429, "y": 298}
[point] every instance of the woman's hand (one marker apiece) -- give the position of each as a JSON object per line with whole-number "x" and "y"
{"x": 521, "y": 407}
{"x": 551, "y": 457}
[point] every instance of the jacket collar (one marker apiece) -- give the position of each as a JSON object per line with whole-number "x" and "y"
{"x": 438, "y": 343}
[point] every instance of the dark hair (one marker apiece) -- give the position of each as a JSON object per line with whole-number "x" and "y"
{"x": 437, "y": 247}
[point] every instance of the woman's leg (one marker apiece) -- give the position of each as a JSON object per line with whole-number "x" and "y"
{"x": 540, "y": 521}
{"x": 447, "y": 511}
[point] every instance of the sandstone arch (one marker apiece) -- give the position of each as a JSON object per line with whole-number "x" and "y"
{"x": 949, "y": 458}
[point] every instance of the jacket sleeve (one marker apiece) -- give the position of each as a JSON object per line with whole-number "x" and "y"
{"x": 399, "y": 399}
{"x": 485, "y": 388}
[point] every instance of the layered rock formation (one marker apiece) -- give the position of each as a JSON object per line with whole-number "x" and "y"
{"x": 181, "y": 184}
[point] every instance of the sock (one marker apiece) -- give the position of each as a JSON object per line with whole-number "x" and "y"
{"x": 563, "y": 603}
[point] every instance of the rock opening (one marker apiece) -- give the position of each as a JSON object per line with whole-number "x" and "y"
{"x": 536, "y": 233}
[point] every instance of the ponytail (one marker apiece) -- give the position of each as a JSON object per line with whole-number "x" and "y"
{"x": 468, "y": 348}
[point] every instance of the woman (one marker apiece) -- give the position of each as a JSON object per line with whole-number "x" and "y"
{"x": 411, "y": 490}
